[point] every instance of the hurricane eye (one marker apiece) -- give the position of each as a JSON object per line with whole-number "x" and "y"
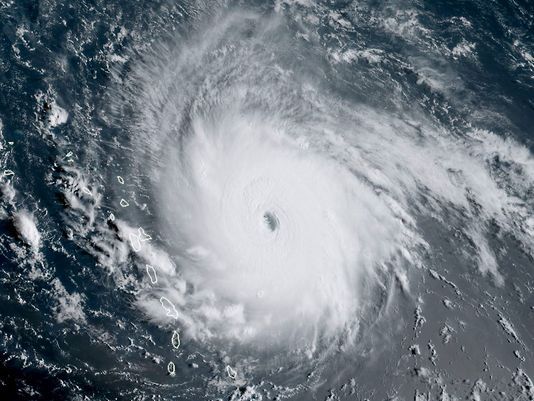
{"x": 271, "y": 221}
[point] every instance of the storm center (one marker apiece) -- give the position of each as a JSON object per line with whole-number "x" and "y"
{"x": 271, "y": 221}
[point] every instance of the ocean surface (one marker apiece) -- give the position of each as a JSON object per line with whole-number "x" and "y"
{"x": 267, "y": 200}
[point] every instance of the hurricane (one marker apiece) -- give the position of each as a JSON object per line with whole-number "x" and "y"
{"x": 277, "y": 198}
{"x": 289, "y": 200}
